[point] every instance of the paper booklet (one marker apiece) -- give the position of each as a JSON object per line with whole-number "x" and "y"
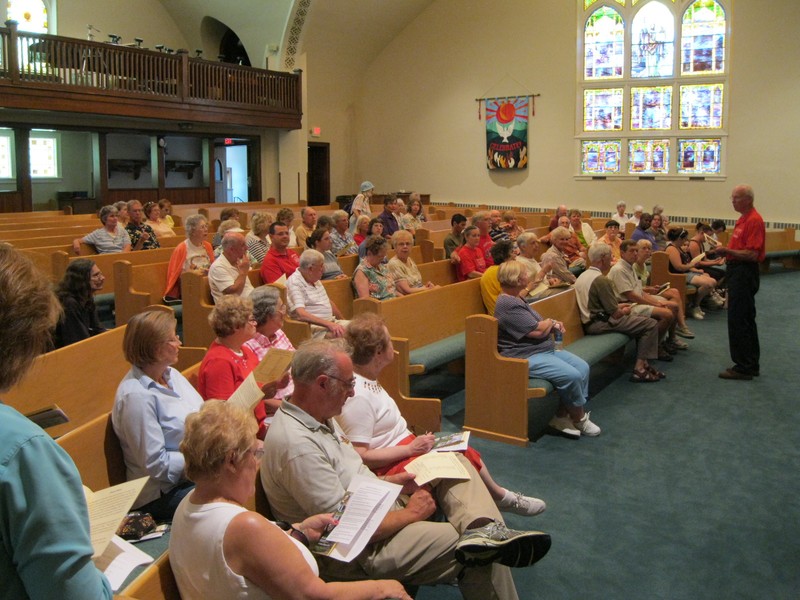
{"x": 453, "y": 442}
{"x": 119, "y": 559}
{"x": 270, "y": 369}
{"x": 714, "y": 243}
{"x": 436, "y": 465}
{"x": 360, "y": 512}
{"x": 663, "y": 287}
{"x": 107, "y": 508}
{"x": 697, "y": 259}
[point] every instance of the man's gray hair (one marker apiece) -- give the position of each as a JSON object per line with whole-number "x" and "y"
{"x": 232, "y": 240}
{"x": 561, "y": 232}
{"x": 311, "y": 258}
{"x": 622, "y": 203}
{"x": 339, "y": 214}
{"x": 598, "y": 251}
{"x": 265, "y": 301}
{"x": 316, "y": 357}
{"x": 192, "y": 222}
{"x": 480, "y": 217}
{"x": 526, "y": 238}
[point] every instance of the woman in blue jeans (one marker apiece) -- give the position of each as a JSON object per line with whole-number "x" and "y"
{"x": 524, "y": 333}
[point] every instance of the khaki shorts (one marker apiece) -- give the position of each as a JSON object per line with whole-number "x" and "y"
{"x": 642, "y": 310}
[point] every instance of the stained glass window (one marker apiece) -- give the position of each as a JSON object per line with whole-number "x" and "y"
{"x": 44, "y": 161}
{"x": 602, "y": 110}
{"x": 601, "y": 157}
{"x": 635, "y": 2}
{"x": 701, "y": 106}
{"x": 648, "y": 157}
{"x": 698, "y": 157}
{"x": 588, "y": 3}
{"x": 603, "y": 46}
{"x": 653, "y": 42}
{"x": 31, "y": 15}
{"x": 5, "y": 157}
{"x": 703, "y": 39}
{"x": 651, "y": 108}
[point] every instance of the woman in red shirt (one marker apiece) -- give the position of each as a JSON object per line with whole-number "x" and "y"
{"x": 473, "y": 262}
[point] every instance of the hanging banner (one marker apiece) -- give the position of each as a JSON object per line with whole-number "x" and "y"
{"x": 507, "y": 133}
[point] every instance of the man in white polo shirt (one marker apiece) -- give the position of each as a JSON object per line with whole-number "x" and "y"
{"x": 308, "y": 301}
{"x": 228, "y": 274}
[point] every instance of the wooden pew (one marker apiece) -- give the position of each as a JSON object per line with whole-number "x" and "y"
{"x": 6, "y": 226}
{"x": 45, "y": 232}
{"x": 780, "y": 245}
{"x": 340, "y": 292}
{"x": 440, "y": 272}
{"x": 660, "y": 274}
{"x": 96, "y": 452}
{"x": 137, "y": 286}
{"x": 156, "y": 583}
{"x": 81, "y": 379}
{"x": 498, "y": 388}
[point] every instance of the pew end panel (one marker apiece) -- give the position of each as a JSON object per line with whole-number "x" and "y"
{"x": 157, "y": 582}
{"x": 489, "y": 373}
{"x": 136, "y": 287}
{"x": 96, "y": 452}
{"x": 421, "y": 414}
{"x": 197, "y": 305}
{"x": 660, "y": 274}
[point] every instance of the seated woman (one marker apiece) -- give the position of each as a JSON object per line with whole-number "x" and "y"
{"x": 225, "y": 227}
{"x": 193, "y": 254}
{"x": 320, "y": 240}
{"x": 76, "y": 293}
{"x": 375, "y": 229}
{"x": 415, "y": 216}
{"x": 166, "y": 212}
{"x": 286, "y": 216}
{"x": 402, "y": 268}
{"x": 257, "y": 239}
{"x": 228, "y": 360}
{"x": 219, "y": 549}
{"x": 659, "y": 232}
{"x": 46, "y": 547}
{"x": 152, "y": 213}
{"x": 679, "y": 258}
{"x": 150, "y": 408}
{"x": 226, "y": 214}
{"x": 122, "y": 212}
{"x": 524, "y": 333}
{"x": 268, "y": 313}
{"x": 342, "y": 241}
{"x": 111, "y": 237}
{"x": 711, "y": 266}
{"x": 538, "y": 281}
{"x": 512, "y": 229}
{"x": 379, "y": 433}
{"x": 371, "y": 277}
{"x": 363, "y": 225}
{"x": 471, "y": 260}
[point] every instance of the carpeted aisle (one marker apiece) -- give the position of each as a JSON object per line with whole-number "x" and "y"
{"x": 691, "y": 491}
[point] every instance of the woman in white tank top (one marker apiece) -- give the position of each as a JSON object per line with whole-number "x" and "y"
{"x": 219, "y": 549}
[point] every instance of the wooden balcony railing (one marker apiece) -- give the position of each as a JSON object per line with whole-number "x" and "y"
{"x": 58, "y": 73}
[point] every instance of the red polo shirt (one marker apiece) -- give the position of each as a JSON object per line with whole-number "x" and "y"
{"x": 749, "y": 234}
{"x": 275, "y": 264}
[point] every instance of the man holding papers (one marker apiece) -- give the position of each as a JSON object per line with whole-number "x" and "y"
{"x": 308, "y": 465}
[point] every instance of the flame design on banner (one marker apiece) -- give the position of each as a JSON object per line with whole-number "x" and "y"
{"x": 507, "y": 133}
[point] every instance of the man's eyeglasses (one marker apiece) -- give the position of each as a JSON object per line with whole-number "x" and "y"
{"x": 351, "y": 383}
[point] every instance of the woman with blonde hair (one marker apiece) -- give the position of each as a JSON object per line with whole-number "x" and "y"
{"x": 150, "y": 408}
{"x": 257, "y": 239}
{"x": 152, "y": 212}
{"x": 219, "y": 549}
{"x": 402, "y": 268}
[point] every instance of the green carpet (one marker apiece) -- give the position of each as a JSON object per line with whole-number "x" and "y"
{"x": 692, "y": 489}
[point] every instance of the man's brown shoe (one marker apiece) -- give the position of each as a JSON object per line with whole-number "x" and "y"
{"x": 731, "y": 374}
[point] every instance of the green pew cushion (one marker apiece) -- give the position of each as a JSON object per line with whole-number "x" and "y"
{"x": 439, "y": 353}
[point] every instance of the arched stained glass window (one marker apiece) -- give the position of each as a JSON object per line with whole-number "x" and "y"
{"x": 653, "y": 42}
{"x": 30, "y": 15}
{"x": 703, "y": 38}
{"x": 588, "y": 3}
{"x": 604, "y": 44}
{"x": 635, "y": 2}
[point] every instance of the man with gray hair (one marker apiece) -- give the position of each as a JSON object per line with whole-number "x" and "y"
{"x": 308, "y": 465}
{"x": 228, "y": 274}
{"x": 602, "y": 313}
{"x": 309, "y": 302}
{"x": 556, "y": 257}
{"x": 142, "y": 235}
{"x": 342, "y": 241}
{"x": 309, "y": 222}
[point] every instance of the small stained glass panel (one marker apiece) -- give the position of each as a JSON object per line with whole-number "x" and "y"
{"x": 651, "y": 108}
{"x": 43, "y": 157}
{"x": 653, "y": 42}
{"x": 601, "y": 157}
{"x": 703, "y": 39}
{"x": 604, "y": 44}
{"x": 648, "y": 157}
{"x": 588, "y": 3}
{"x": 701, "y": 106}
{"x": 699, "y": 157}
{"x": 602, "y": 110}
{"x": 30, "y": 15}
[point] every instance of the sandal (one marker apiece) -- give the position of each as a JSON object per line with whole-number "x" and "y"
{"x": 643, "y": 376}
{"x": 656, "y": 372}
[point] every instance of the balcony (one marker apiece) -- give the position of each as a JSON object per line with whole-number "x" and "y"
{"x": 47, "y": 72}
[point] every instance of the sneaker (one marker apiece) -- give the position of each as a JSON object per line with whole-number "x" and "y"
{"x": 587, "y": 427}
{"x": 679, "y": 344}
{"x": 684, "y": 332}
{"x": 717, "y": 299}
{"x": 527, "y": 506}
{"x": 696, "y": 313}
{"x": 496, "y": 543}
{"x": 566, "y": 426}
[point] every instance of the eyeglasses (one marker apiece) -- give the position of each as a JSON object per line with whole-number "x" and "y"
{"x": 258, "y": 453}
{"x": 351, "y": 383}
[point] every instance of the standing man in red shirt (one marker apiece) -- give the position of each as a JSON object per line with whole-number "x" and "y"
{"x": 280, "y": 259}
{"x": 745, "y": 250}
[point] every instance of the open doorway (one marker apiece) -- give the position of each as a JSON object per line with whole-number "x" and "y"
{"x": 319, "y": 173}
{"x": 236, "y": 164}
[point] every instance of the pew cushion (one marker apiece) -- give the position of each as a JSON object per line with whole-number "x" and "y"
{"x": 439, "y": 353}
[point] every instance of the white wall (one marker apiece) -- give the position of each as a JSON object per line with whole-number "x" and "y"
{"x": 412, "y": 122}
{"x": 75, "y": 155}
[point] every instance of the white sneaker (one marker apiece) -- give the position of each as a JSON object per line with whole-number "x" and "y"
{"x": 587, "y": 427}
{"x": 566, "y": 426}
{"x": 696, "y": 313}
{"x": 515, "y": 502}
